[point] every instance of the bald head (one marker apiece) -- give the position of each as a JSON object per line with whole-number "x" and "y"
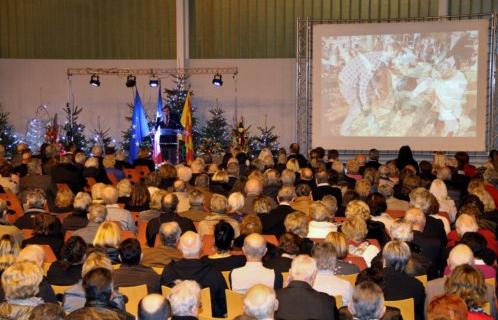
{"x": 190, "y": 245}
{"x": 260, "y": 302}
{"x": 253, "y": 187}
{"x": 154, "y": 306}
{"x": 254, "y": 247}
{"x": 459, "y": 255}
{"x": 303, "y": 268}
{"x": 306, "y": 174}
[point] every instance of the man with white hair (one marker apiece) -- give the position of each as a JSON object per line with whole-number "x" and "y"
{"x": 115, "y": 212}
{"x": 273, "y": 223}
{"x": 184, "y": 174}
{"x": 260, "y": 302}
{"x": 162, "y": 254}
{"x": 96, "y": 215}
{"x": 421, "y": 198}
{"x": 35, "y": 179}
{"x": 299, "y": 300}
{"x": 253, "y": 272}
{"x": 34, "y": 204}
{"x": 191, "y": 267}
{"x": 196, "y": 212}
{"x": 180, "y": 190}
{"x": 459, "y": 255}
{"x": 323, "y": 188}
{"x": 6, "y": 228}
{"x": 430, "y": 247}
{"x": 185, "y": 300}
{"x": 35, "y": 253}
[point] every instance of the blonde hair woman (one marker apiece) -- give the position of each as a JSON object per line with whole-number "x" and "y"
{"x": 9, "y": 250}
{"x": 74, "y": 297}
{"x": 107, "y": 240}
{"x": 21, "y": 283}
{"x": 446, "y": 204}
{"x": 355, "y": 230}
{"x": 486, "y": 199}
{"x": 293, "y": 165}
{"x": 375, "y": 229}
{"x": 63, "y": 200}
{"x": 338, "y": 240}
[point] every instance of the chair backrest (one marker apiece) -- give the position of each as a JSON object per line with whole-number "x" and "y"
{"x": 158, "y": 270}
{"x": 60, "y": 289}
{"x": 90, "y": 181}
{"x": 13, "y": 204}
{"x": 27, "y": 233}
{"x": 226, "y": 275}
{"x": 338, "y": 301}
{"x": 49, "y": 253}
{"x": 487, "y": 308}
{"x": 351, "y": 278}
{"x": 396, "y": 213}
{"x": 406, "y": 306}
{"x": 112, "y": 178}
{"x": 235, "y": 303}
{"x": 132, "y": 174}
{"x": 374, "y": 242}
{"x": 491, "y": 282}
{"x": 205, "y": 311}
{"x": 134, "y": 295}
{"x": 208, "y": 244}
{"x": 141, "y": 233}
{"x": 423, "y": 279}
{"x": 142, "y": 171}
{"x": 285, "y": 278}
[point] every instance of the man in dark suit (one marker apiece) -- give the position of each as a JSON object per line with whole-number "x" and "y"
{"x": 169, "y": 206}
{"x": 421, "y": 198}
{"x": 273, "y": 222}
{"x": 66, "y": 172}
{"x": 306, "y": 177}
{"x": 397, "y": 284}
{"x": 323, "y": 188}
{"x": 34, "y": 205}
{"x": 373, "y": 162}
{"x": 299, "y": 300}
{"x": 294, "y": 154}
{"x": 191, "y": 267}
{"x": 430, "y": 247}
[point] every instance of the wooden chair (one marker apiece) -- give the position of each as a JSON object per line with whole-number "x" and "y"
{"x": 141, "y": 231}
{"x": 60, "y": 289}
{"x": 69, "y": 234}
{"x": 396, "y": 213}
{"x": 226, "y": 275}
{"x": 27, "y": 233}
{"x": 375, "y": 242}
{"x": 132, "y": 174}
{"x": 112, "y": 178}
{"x": 142, "y": 171}
{"x": 423, "y": 279}
{"x": 491, "y": 282}
{"x": 406, "y": 306}
{"x": 13, "y": 204}
{"x": 134, "y": 295}
{"x": 235, "y": 304}
{"x": 46, "y": 266}
{"x": 90, "y": 181}
{"x": 49, "y": 253}
{"x": 158, "y": 270}
{"x": 487, "y": 308}
{"x": 285, "y": 278}
{"x": 338, "y": 301}
{"x": 116, "y": 266}
{"x": 351, "y": 278}
{"x": 205, "y": 311}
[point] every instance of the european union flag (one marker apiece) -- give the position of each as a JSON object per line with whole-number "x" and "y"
{"x": 139, "y": 128}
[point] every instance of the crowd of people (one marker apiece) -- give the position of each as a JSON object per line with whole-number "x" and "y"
{"x": 384, "y": 224}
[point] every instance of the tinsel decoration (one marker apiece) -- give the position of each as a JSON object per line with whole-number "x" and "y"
{"x": 73, "y": 130}
{"x": 7, "y": 136}
{"x": 240, "y": 137}
{"x": 36, "y": 129}
{"x": 266, "y": 139}
{"x": 214, "y": 136}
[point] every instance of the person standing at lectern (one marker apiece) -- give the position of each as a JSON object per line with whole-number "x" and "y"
{"x": 170, "y": 126}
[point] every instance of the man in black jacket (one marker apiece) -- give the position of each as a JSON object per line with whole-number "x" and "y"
{"x": 68, "y": 173}
{"x": 299, "y": 300}
{"x": 323, "y": 188}
{"x": 273, "y": 222}
{"x": 169, "y": 206}
{"x": 191, "y": 267}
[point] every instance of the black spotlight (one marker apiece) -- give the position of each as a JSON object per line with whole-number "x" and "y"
{"x": 154, "y": 82}
{"x": 217, "y": 81}
{"x": 131, "y": 81}
{"x": 95, "y": 80}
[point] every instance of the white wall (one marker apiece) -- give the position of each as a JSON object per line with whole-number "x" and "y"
{"x": 266, "y": 87}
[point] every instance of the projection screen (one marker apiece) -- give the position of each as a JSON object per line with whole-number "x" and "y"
{"x": 390, "y": 84}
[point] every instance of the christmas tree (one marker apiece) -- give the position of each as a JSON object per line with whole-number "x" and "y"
{"x": 266, "y": 139}
{"x": 101, "y": 136}
{"x": 7, "y": 137}
{"x": 73, "y": 129}
{"x": 214, "y": 136}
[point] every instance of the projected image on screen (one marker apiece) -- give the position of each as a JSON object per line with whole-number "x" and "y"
{"x": 400, "y": 85}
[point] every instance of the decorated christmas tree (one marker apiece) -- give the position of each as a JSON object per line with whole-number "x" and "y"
{"x": 214, "y": 136}
{"x": 73, "y": 130}
{"x": 7, "y": 137}
{"x": 101, "y": 136}
{"x": 266, "y": 139}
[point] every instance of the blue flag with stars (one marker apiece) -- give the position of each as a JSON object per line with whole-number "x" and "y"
{"x": 139, "y": 128}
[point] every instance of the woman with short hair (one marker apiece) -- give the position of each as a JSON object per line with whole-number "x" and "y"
{"x": 9, "y": 250}
{"x": 78, "y": 218}
{"x": 355, "y": 230}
